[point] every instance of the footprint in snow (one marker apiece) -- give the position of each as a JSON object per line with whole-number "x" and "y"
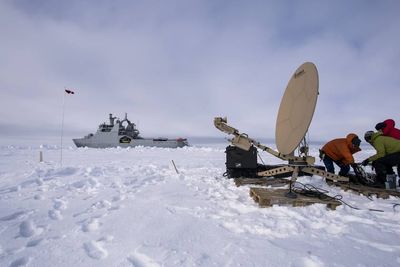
{"x": 55, "y": 215}
{"x": 13, "y": 216}
{"x": 104, "y": 204}
{"x": 90, "y": 225}
{"x": 95, "y": 250}
{"x": 38, "y": 197}
{"x": 34, "y": 243}
{"x": 12, "y": 189}
{"x": 60, "y": 204}
{"x": 117, "y": 207}
{"x": 138, "y": 259}
{"x": 101, "y": 204}
{"x": 67, "y": 171}
{"x": 96, "y": 171}
{"x": 118, "y": 198}
{"x": 24, "y": 261}
{"x": 312, "y": 261}
{"x": 107, "y": 238}
{"x": 28, "y": 228}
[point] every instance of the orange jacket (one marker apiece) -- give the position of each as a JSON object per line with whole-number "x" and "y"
{"x": 341, "y": 149}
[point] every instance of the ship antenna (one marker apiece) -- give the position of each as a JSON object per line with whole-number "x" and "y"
{"x": 111, "y": 120}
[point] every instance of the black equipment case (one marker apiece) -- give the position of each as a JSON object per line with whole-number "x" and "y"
{"x": 241, "y": 163}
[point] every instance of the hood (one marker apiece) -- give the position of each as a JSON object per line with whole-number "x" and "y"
{"x": 389, "y": 123}
{"x": 375, "y": 135}
{"x": 350, "y": 137}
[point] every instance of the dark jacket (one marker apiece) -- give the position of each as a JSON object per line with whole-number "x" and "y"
{"x": 341, "y": 149}
{"x": 384, "y": 145}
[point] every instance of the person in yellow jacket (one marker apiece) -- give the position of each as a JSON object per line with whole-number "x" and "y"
{"x": 340, "y": 151}
{"x": 387, "y": 155}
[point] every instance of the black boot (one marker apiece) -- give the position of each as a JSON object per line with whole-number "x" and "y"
{"x": 380, "y": 181}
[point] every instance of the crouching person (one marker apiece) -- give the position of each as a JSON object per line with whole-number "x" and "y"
{"x": 340, "y": 151}
{"x": 387, "y": 155}
{"x": 387, "y": 129}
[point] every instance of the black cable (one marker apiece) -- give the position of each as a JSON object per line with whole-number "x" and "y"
{"x": 258, "y": 154}
{"x": 313, "y": 191}
{"x": 395, "y": 205}
{"x": 370, "y": 198}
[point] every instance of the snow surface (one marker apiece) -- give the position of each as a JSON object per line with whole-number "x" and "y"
{"x": 128, "y": 207}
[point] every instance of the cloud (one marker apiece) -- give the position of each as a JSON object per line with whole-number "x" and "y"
{"x": 173, "y": 66}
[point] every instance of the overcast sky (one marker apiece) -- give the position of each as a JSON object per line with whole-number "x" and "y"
{"x": 175, "y": 65}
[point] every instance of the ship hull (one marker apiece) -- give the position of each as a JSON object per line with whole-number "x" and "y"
{"x": 117, "y": 134}
{"x": 147, "y": 142}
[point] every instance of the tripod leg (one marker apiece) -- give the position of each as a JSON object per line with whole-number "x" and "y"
{"x": 292, "y": 194}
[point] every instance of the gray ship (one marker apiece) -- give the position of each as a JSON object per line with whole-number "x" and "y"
{"x": 124, "y": 133}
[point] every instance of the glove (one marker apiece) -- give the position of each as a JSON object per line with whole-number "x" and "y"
{"x": 365, "y": 162}
{"x": 321, "y": 154}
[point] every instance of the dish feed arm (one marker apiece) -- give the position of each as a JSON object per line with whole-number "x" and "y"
{"x": 241, "y": 140}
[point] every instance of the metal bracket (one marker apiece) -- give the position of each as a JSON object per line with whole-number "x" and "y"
{"x": 275, "y": 171}
{"x": 327, "y": 175}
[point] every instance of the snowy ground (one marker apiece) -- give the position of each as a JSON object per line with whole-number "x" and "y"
{"x": 128, "y": 207}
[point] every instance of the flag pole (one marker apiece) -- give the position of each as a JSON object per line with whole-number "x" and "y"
{"x": 62, "y": 127}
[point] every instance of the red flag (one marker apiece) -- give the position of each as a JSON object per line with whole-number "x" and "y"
{"x": 69, "y": 91}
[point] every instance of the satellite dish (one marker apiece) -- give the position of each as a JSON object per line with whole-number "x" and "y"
{"x": 294, "y": 117}
{"x": 297, "y": 108}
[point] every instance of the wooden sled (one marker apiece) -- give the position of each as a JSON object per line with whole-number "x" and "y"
{"x": 367, "y": 190}
{"x": 268, "y": 197}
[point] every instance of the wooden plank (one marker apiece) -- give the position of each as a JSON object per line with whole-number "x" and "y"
{"x": 266, "y": 197}
{"x": 275, "y": 182}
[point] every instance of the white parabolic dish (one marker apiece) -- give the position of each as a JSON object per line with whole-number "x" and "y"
{"x": 297, "y": 108}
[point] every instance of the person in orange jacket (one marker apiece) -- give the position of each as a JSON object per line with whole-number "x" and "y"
{"x": 340, "y": 151}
